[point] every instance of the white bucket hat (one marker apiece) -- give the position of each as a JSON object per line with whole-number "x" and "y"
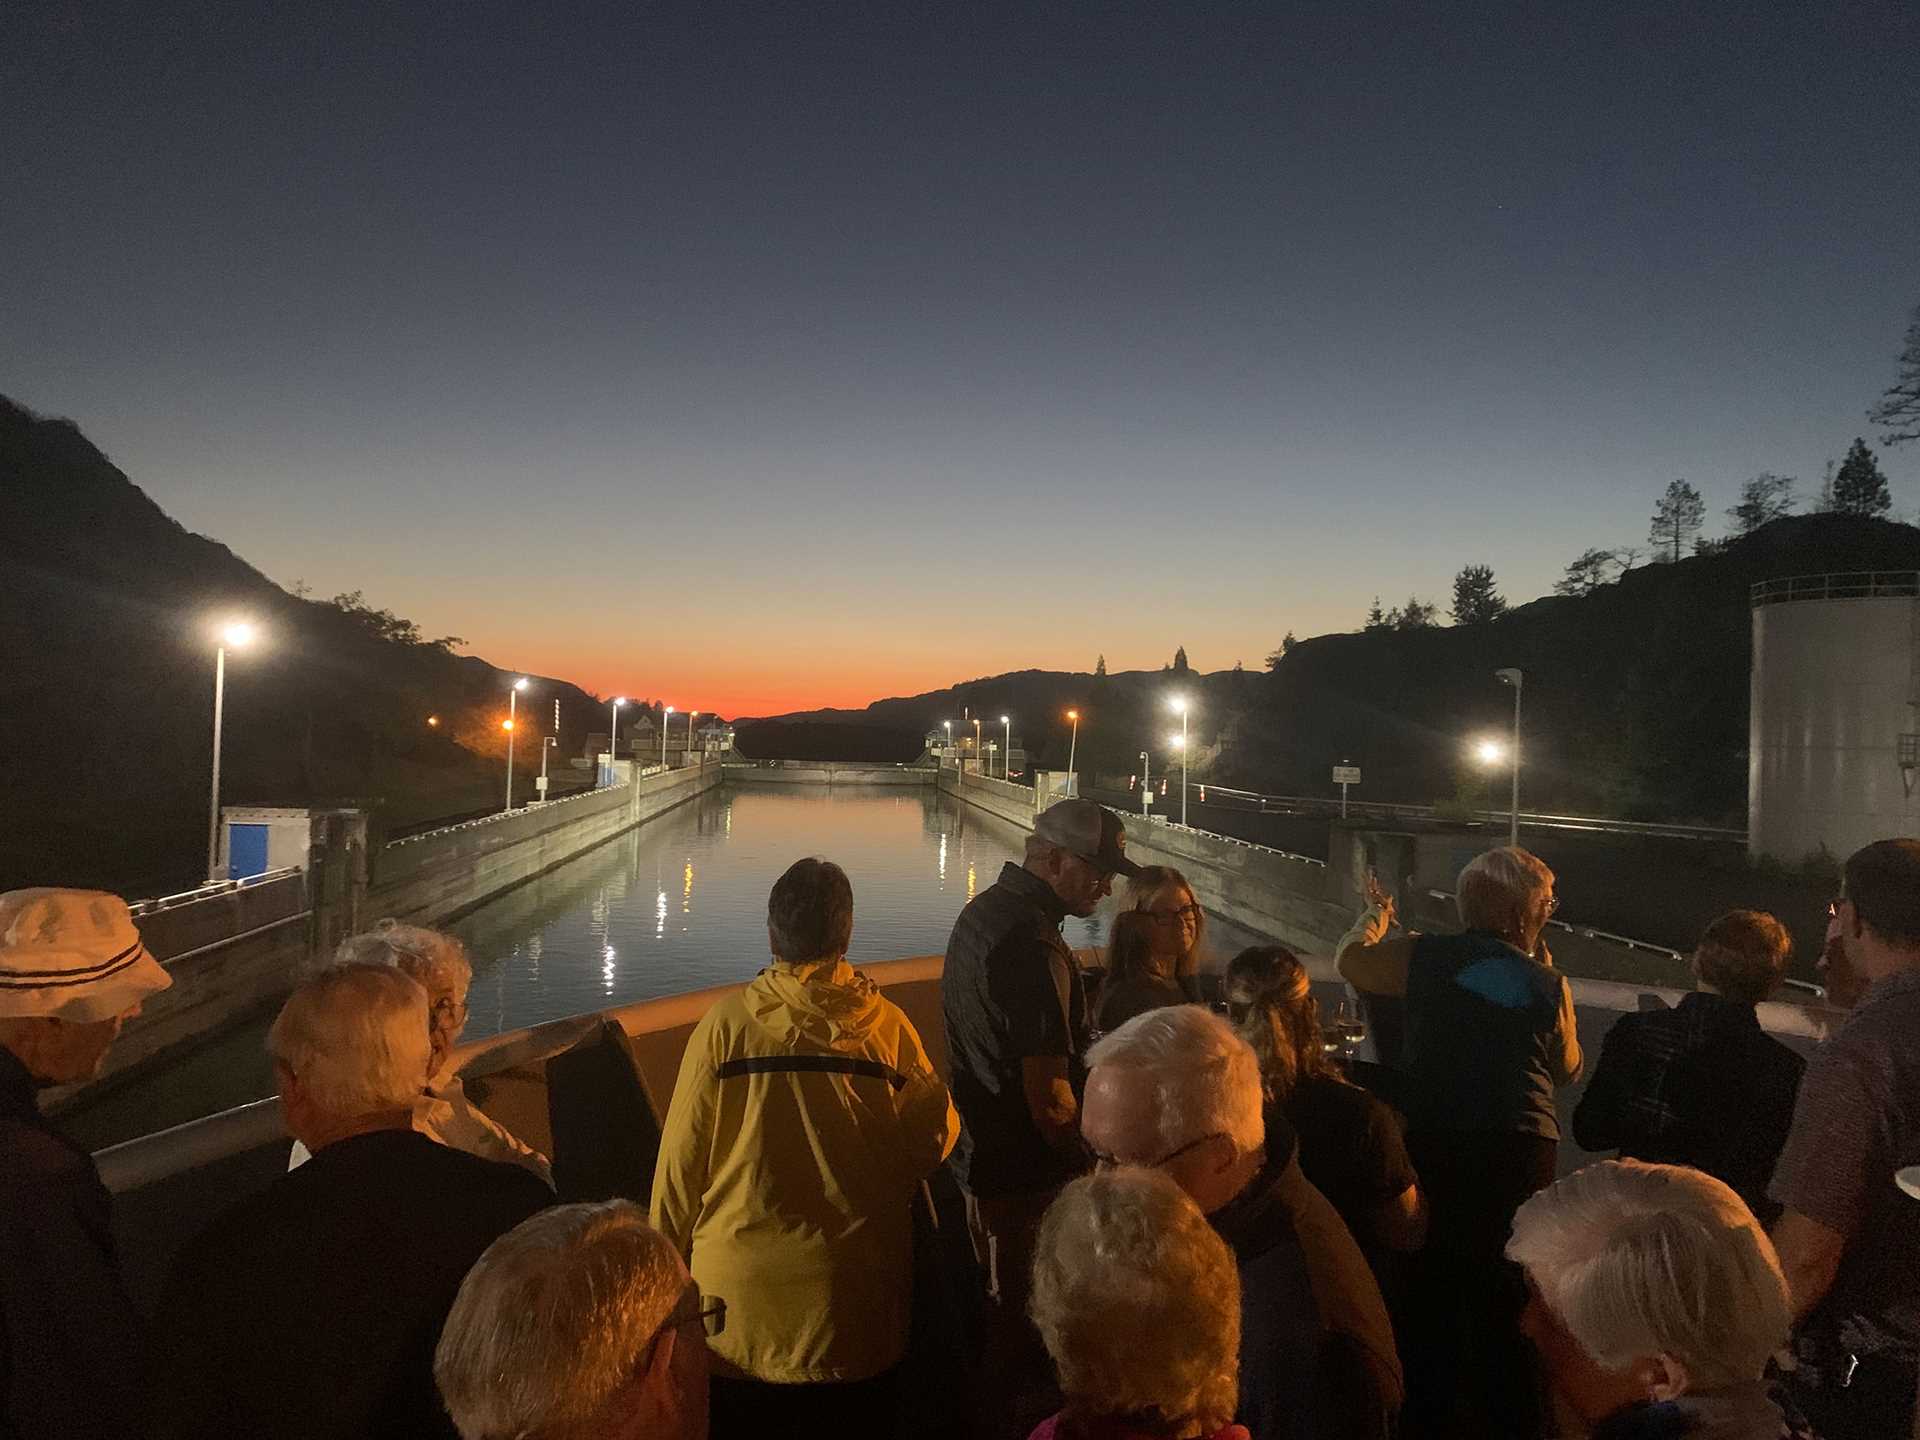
{"x": 72, "y": 954}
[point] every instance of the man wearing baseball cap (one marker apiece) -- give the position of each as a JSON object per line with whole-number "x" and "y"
{"x": 72, "y": 971}
{"x": 1017, "y": 1034}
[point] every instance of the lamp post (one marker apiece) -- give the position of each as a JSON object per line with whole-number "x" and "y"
{"x": 1514, "y": 678}
{"x": 513, "y": 695}
{"x": 1006, "y": 755}
{"x": 949, "y": 725}
{"x": 237, "y": 634}
{"x": 547, "y": 742}
{"x": 1073, "y": 745}
{"x": 977, "y": 751}
{"x": 1180, "y": 703}
{"x": 1489, "y": 753}
{"x": 663, "y": 733}
{"x": 1146, "y": 783}
{"x": 613, "y": 738}
{"x": 690, "y": 715}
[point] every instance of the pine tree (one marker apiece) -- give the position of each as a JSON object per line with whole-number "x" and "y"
{"x": 1100, "y": 667}
{"x": 1899, "y": 408}
{"x": 1378, "y": 619}
{"x": 1475, "y": 601}
{"x": 1765, "y": 497}
{"x": 1287, "y": 643}
{"x": 1858, "y": 487}
{"x": 1180, "y": 661}
{"x": 1677, "y": 519}
{"x": 1587, "y": 573}
{"x": 1418, "y": 615}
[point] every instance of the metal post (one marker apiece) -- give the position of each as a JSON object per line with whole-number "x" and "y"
{"x": 1513, "y": 828}
{"x": 690, "y": 715}
{"x": 219, "y": 703}
{"x": 1146, "y": 783}
{"x": 664, "y": 714}
{"x": 1343, "y": 799}
{"x": 613, "y": 740}
{"x": 513, "y": 697}
{"x": 1183, "y": 765}
{"x": 1073, "y": 746}
{"x": 1006, "y": 755}
{"x": 546, "y": 742}
{"x": 978, "y": 753}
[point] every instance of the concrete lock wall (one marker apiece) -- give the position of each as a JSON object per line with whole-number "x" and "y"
{"x": 997, "y": 797}
{"x": 1831, "y": 692}
{"x": 792, "y": 772}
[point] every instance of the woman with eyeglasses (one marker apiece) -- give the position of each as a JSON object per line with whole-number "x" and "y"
{"x": 1153, "y": 956}
{"x": 443, "y": 1112}
{"x": 1350, "y": 1142}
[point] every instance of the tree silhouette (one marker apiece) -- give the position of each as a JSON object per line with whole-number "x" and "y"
{"x": 1858, "y": 486}
{"x": 1475, "y": 601}
{"x": 1417, "y": 615}
{"x": 1377, "y": 619}
{"x": 1677, "y": 519}
{"x": 1765, "y": 497}
{"x": 1586, "y": 574}
{"x": 1100, "y": 666}
{"x": 1287, "y": 642}
{"x": 1180, "y": 661}
{"x": 1899, "y": 408}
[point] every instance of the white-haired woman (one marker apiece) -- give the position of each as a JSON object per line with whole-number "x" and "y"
{"x": 1654, "y": 1301}
{"x": 1138, "y": 1301}
{"x": 443, "y": 1112}
{"x": 1490, "y": 1036}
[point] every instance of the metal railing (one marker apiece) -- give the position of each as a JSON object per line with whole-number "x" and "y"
{"x": 1377, "y": 809}
{"x": 1161, "y": 823}
{"x": 209, "y": 890}
{"x": 1838, "y": 585}
{"x": 499, "y": 815}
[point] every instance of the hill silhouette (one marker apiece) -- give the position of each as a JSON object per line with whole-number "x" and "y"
{"x": 106, "y": 649}
{"x": 1635, "y": 695}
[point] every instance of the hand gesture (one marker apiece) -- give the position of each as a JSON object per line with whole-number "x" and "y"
{"x": 1377, "y": 895}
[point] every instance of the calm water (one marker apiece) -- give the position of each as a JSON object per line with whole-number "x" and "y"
{"x": 678, "y": 904}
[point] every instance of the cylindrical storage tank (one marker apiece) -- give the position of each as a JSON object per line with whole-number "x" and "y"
{"x": 1831, "y": 697}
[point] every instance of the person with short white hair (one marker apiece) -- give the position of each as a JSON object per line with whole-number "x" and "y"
{"x": 1123, "y": 1256}
{"x": 580, "y": 1323}
{"x": 1178, "y": 1091}
{"x": 442, "y": 1109}
{"x": 73, "y": 971}
{"x": 1490, "y": 1036}
{"x": 1655, "y": 1301}
{"x": 311, "y": 1309}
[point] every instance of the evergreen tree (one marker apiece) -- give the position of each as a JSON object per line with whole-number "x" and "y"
{"x": 1765, "y": 497}
{"x": 1475, "y": 601}
{"x": 1377, "y": 619}
{"x": 1586, "y": 574}
{"x": 1418, "y": 615}
{"x": 1100, "y": 667}
{"x": 1677, "y": 519}
{"x": 1180, "y": 661}
{"x": 1858, "y": 487}
{"x": 1287, "y": 643}
{"x": 1899, "y": 408}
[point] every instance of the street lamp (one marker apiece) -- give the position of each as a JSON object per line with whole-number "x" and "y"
{"x": 235, "y": 635}
{"x": 949, "y": 725}
{"x": 663, "y": 733}
{"x": 1179, "y": 702}
{"x": 977, "y": 751}
{"x": 613, "y": 737}
{"x": 690, "y": 715}
{"x": 1514, "y": 678}
{"x": 1073, "y": 745}
{"x": 1006, "y": 755}
{"x": 1146, "y": 783}
{"x": 513, "y": 696}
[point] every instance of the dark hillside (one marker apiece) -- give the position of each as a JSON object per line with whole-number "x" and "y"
{"x": 1635, "y": 695}
{"x": 106, "y": 648}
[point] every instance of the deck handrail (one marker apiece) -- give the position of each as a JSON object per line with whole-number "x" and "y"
{"x": 1837, "y": 585}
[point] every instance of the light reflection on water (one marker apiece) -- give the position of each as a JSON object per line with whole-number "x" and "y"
{"x": 680, "y": 903}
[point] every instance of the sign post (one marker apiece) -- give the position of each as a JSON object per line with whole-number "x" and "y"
{"x": 1343, "y": 776}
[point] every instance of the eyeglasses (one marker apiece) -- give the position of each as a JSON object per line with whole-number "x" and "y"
{"x": 710, "y": 1313}
{"x": 1833, "y": 906}
{"x": 1100, "y": 1160}
{"x": 1553, "y": 903}
{"x": 449, "y": 1007}
{"x": 1183, "y": 912}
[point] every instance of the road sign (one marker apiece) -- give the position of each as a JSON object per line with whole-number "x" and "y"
{"x": 1346, "y": 774}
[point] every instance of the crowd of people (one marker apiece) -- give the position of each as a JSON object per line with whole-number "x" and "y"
{"x": 1185, "y": 1216}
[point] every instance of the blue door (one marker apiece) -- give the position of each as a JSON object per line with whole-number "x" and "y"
{"x": 246, "y": 851}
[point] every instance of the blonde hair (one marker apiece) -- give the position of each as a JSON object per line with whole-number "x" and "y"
{"x": 1123, "y": 1255}
{"x": 1499, "y": 887}
{"x": 357, "y": 1038}
{"x": 433, "y": 957}
{"x": 1282, "y": 1019}
{"x": 1640, "y": 1260}
{"x": 1205, "y": 1078}
{"x": 554, "y": 1319}
{"x": 1151, "y": 880}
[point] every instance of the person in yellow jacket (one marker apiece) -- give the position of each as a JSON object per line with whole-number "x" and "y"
{"x": 805, "y": 1117}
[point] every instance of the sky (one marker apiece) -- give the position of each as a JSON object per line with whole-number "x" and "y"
{"x": 760, "y": 357}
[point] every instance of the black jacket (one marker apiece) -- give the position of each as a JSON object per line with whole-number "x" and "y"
{"x": 70, "y": 1342}
{"x": 1011, "y": 990}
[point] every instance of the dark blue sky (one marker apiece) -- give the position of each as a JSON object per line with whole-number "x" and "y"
{"x": 877, "y": 346}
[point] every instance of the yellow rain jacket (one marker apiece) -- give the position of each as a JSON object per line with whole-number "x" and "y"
{"x": 805, "y": 1116}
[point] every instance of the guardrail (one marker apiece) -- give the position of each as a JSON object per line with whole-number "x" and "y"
{"x": 499, "y": 815}
{"x": 1837, "y": 585}
{"x": 1377, "y": 809}
{"x": 209, "y": 890}
{"x": 1160, "y": 823}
